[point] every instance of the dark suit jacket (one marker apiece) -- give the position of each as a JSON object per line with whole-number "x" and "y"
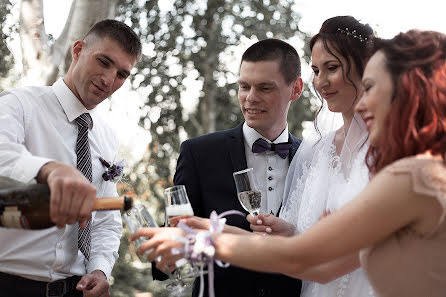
{"x": 205, "y": 167}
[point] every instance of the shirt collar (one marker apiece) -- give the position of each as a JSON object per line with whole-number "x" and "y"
{"x": 71, "y": 105}
{"x": 251, "y": 135}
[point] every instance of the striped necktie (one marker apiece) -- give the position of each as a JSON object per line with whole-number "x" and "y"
{"x": 84, "y": 122}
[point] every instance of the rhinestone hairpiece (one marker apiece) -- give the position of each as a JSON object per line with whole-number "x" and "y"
{"x": 353, "y": 33}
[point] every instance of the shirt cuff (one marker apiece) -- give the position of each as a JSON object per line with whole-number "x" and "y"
{"x": 100, "y": 264}
{"x": 27, "y": 168}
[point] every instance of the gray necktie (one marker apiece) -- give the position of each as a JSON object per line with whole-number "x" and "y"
{"x": 84, "y": 122}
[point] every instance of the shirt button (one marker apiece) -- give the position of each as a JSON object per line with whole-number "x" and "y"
{"x": 270, "y": 168}
{"x": 270, "y": 188}
{"x": 270, "y": 178}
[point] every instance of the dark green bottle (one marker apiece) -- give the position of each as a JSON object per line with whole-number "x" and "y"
{"x": 28, "y": 206}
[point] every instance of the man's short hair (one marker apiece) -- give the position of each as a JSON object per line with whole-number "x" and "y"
{"x": 119, "y": 32}
{"x": 272, "y": 49}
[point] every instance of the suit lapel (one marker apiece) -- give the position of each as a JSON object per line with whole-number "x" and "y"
{"x": 296, "y": 142}
{"x": 236, "y": 148}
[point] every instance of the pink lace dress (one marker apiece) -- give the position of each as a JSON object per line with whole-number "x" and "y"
{"x": 412, "y": 262}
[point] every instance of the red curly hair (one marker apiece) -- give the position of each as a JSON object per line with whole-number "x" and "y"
{"x": 416, "y": 122}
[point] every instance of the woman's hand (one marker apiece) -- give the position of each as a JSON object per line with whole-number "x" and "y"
{"x": 270, "y": 224}
{"x": 159, "y": 247}
{"x": 192, "y": 221}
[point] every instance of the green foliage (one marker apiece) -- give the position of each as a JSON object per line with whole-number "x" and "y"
{"x": 300, "y": 110}
{"x": 192, "y": 40}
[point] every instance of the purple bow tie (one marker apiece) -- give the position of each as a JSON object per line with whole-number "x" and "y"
{"x": 282, "y": 149}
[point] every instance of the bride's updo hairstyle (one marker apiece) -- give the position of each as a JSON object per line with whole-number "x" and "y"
{"x": 349, "y": 38}
{"x": 416, "y": 123}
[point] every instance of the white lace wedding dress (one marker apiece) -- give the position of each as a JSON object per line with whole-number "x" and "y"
{"x": 319, "y": 179}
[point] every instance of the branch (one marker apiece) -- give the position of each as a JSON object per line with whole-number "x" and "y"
{"x": 196, "y": 124}
{"x": 83, "y": 15}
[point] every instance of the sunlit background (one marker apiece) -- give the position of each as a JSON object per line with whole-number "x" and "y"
{"x": 386, "y": 17}
{"x": 149, "y": 145}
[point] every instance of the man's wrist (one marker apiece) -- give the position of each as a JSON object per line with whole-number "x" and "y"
{"x": 100, "y": 264}
{"x": 99, "y": 273}
{"x": 42, "y": 175}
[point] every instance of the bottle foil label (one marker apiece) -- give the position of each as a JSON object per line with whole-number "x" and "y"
{"x": 12, "y": 218}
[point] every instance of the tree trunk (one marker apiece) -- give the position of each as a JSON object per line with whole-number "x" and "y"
{"x": 35, "y": 60}
{"x": 208, "y": 104}
{"x": 43, "y": 64}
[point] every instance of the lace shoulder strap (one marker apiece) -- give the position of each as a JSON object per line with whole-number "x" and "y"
{"x": 428, "y": 177}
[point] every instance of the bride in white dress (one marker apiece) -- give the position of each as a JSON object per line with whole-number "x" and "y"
{"x": 329, "y": 168}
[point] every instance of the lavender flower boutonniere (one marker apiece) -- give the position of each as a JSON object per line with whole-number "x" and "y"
{"x": 114, "y": 171}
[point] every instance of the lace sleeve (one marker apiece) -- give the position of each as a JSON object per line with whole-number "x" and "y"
{"x": 428, "y": 177}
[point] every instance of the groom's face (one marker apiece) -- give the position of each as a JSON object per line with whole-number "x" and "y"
{"x": 265, "y": 96}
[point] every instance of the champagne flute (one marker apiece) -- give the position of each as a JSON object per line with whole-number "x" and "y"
{"x": 139, "y": 217}
{"x": 248, "y": 192}
{"x": 177, "y": 203}
{"x": 136, "y": 218}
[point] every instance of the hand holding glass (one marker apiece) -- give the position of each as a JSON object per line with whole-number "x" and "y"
{"x": 136, "y": 218}
{"x": 177, "y": 204}
{"x": 248, "y": 192}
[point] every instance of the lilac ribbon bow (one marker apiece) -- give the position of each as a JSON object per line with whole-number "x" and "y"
{"x": 199, "y": 247}
{"x": 282, "y": 149}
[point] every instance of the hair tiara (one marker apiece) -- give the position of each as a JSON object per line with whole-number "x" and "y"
{"x": 353, "y": 33}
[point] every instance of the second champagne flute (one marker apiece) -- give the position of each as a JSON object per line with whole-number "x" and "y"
{"x": 248, "y": 192}
{"x": 177, "y": 203}
{"x": 136, "y": 218}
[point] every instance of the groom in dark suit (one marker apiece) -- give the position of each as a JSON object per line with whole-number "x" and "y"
{"x": 269, "y": 82}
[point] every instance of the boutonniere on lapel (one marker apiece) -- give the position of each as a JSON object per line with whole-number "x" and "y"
{"x": 113, "y": 171}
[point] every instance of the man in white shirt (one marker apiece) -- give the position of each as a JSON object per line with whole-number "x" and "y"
{"x": 54, "y": 135}
{"x": 269, "y": 81}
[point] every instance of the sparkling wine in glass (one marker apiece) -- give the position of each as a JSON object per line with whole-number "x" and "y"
{"x": 248, "y": 192}
{"x": 177, "y": 203}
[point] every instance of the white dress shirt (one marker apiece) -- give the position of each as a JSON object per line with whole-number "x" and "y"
{"x": 269, "y": 169}
{"x": 37, "y": 126}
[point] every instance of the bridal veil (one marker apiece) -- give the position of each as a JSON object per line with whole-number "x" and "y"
{"x": 319, "y": 179}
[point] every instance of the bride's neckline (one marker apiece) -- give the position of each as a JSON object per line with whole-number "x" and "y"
{"x": 339, "y": 142}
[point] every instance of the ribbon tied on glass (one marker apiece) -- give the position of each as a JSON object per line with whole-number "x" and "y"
{"x": 199, "y": 248}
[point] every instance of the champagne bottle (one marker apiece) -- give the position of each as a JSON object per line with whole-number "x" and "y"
{"x": 28, "y": 207}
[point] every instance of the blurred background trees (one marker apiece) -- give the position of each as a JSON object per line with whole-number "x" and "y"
{"x": 187, "y": 77}
{"x": 6, "y": 57}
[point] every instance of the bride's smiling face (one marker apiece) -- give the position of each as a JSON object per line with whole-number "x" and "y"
{"x": 331, "y": 80}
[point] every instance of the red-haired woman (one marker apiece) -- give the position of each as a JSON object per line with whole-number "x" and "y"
{"x": 398, "y": 221}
